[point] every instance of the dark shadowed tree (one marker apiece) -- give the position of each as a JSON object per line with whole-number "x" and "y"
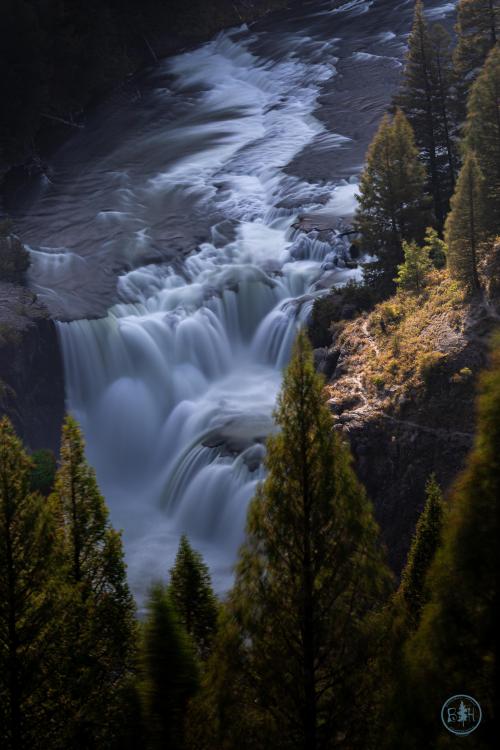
{"x": 168, "y": 673}
{"x": 310, "y": 570}
{"x": 391, "y": 200}
{"x": 100, "y": 623}
{"x": 192, "y": 595}
{"x": 32, "y": 601}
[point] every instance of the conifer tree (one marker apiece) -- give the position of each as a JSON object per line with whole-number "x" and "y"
{"x": 425, "y": 97}
{"x": 435, "y": 248}
{"x": 422, "y": 552}
{"x": 309, "y": 572}
{"x": 100, "y": 625}
{"x": 169, "y": 676}
{"x": 31, "y": 606}
{"x": 482, "y": 134}
{"x": 412, "y": 274}
{"x": 465, "y": 226}
{"x": 478, "y": 31}
{"x": 456, "y": 642}
{"x": 193, "y": 597}
{"x": 391, "y": 204}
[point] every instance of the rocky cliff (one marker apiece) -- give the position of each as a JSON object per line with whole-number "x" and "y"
{"x": 31, "y": 372}
{"x": 403, "y": 393}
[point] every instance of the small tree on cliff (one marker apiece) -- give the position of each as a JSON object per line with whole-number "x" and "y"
{"x": 391, "y": 201}
{"x": 412, "y": 274}
{"x": 465, "y": 226}
{"x": 308, "y": 573}
{"x": 31, "y": 606}
{"x": 100, "y": 625}
{"x": 193, "y": 597}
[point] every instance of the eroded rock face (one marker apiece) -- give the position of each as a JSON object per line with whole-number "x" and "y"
{"x": 31, "y": 371}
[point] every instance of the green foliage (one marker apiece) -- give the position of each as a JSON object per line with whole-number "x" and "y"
{"x": 465, "y": 225}
{"x": 101, "y": 621}
{"x": 43, "y": 472}
{"x": 482, "y": 134}
{"x": 412, "y": 274}
{"x": 32, "y": 600}
{"x": 426, "y": 99}
{"x": 478, "y": 30}
{"x": 391, "y": 203}
{"x": 191, "y": 593}
{"x": 455, "y": 644}
{"x": 168, "y": 673}
{"x": 435, "y": 248}
{"x": 308, "y": 573}
{"x": 428, "y": 363}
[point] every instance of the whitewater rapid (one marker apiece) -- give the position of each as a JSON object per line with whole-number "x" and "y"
{"x": 175, "y": 386}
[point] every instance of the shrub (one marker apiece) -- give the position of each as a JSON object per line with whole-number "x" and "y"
{"x": 428, "y": 363}
{"x": 14, "y": 258}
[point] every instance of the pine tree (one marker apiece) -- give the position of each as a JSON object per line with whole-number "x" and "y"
{"x": 169, "y": 676}
{"x": 435, "y": 248}
{"x": 482, "y": 134}
{"x": 478, "y": 31}
{"x": 309, "y": 572}
{"x": 456, "y": 643}
{"x": 425, "y": 97}
{"x": 412, "y": 274}
{"x": 465, "y": 225}
{"x": 192, "y": 595}
{"x": 31, "y": 606}
{"x": 101, "y": 621}
{"x": 422, "y": 552}
{"x": 391, "y": 203}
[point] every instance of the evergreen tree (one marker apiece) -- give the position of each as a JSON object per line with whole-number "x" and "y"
{"x": 391, "y": 205}
{"x": 412, "y": 274}
{"x": 425, "y": 97}
{"x": 31, "y": 606}
{"x": 422, "y": 552}
{"x": 192, "y": 595}
{"x": 435, "y": 248}
{"x": 482, "y": 134}
{"x": 478, "y": 31}
{"x": 465, "y": 225}
{"x": 456, "y": 643}
{"x": 101, "y": 621}
{"x": 43, "y": 472}
{"x": 308, "y": 574}
{"x": 169, "y": 675}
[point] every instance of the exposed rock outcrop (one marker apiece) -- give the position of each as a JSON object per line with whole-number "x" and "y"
{"x": 31, "y": 371}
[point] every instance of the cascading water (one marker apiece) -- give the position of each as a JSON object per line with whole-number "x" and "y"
{"x": 175, "y": 386}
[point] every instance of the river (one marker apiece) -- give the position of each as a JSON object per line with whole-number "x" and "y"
{"x": 162, "y": 240}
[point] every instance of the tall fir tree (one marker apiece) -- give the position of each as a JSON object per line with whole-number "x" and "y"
{"x": 391, "y": 206}
{"x": 168, "y": 673}
{"x": 426, "y": 99}
{"x": 478, "y": 31}
{"x": 100, "y": 625}
{"x": 456, "y": 644}
{"x": 465, "y": 229}
{"x": 32, "y": 601}
{"x": 482, "y": 134}
{"x": 310, "y": 570}
{"x": 192, "y": 595}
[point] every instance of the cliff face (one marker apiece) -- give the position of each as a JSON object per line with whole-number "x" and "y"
{"x": 403, "y": 394}
{"x": 31, "y": 372}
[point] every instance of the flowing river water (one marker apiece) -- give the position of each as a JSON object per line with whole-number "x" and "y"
{"x": 163, "y": 242}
